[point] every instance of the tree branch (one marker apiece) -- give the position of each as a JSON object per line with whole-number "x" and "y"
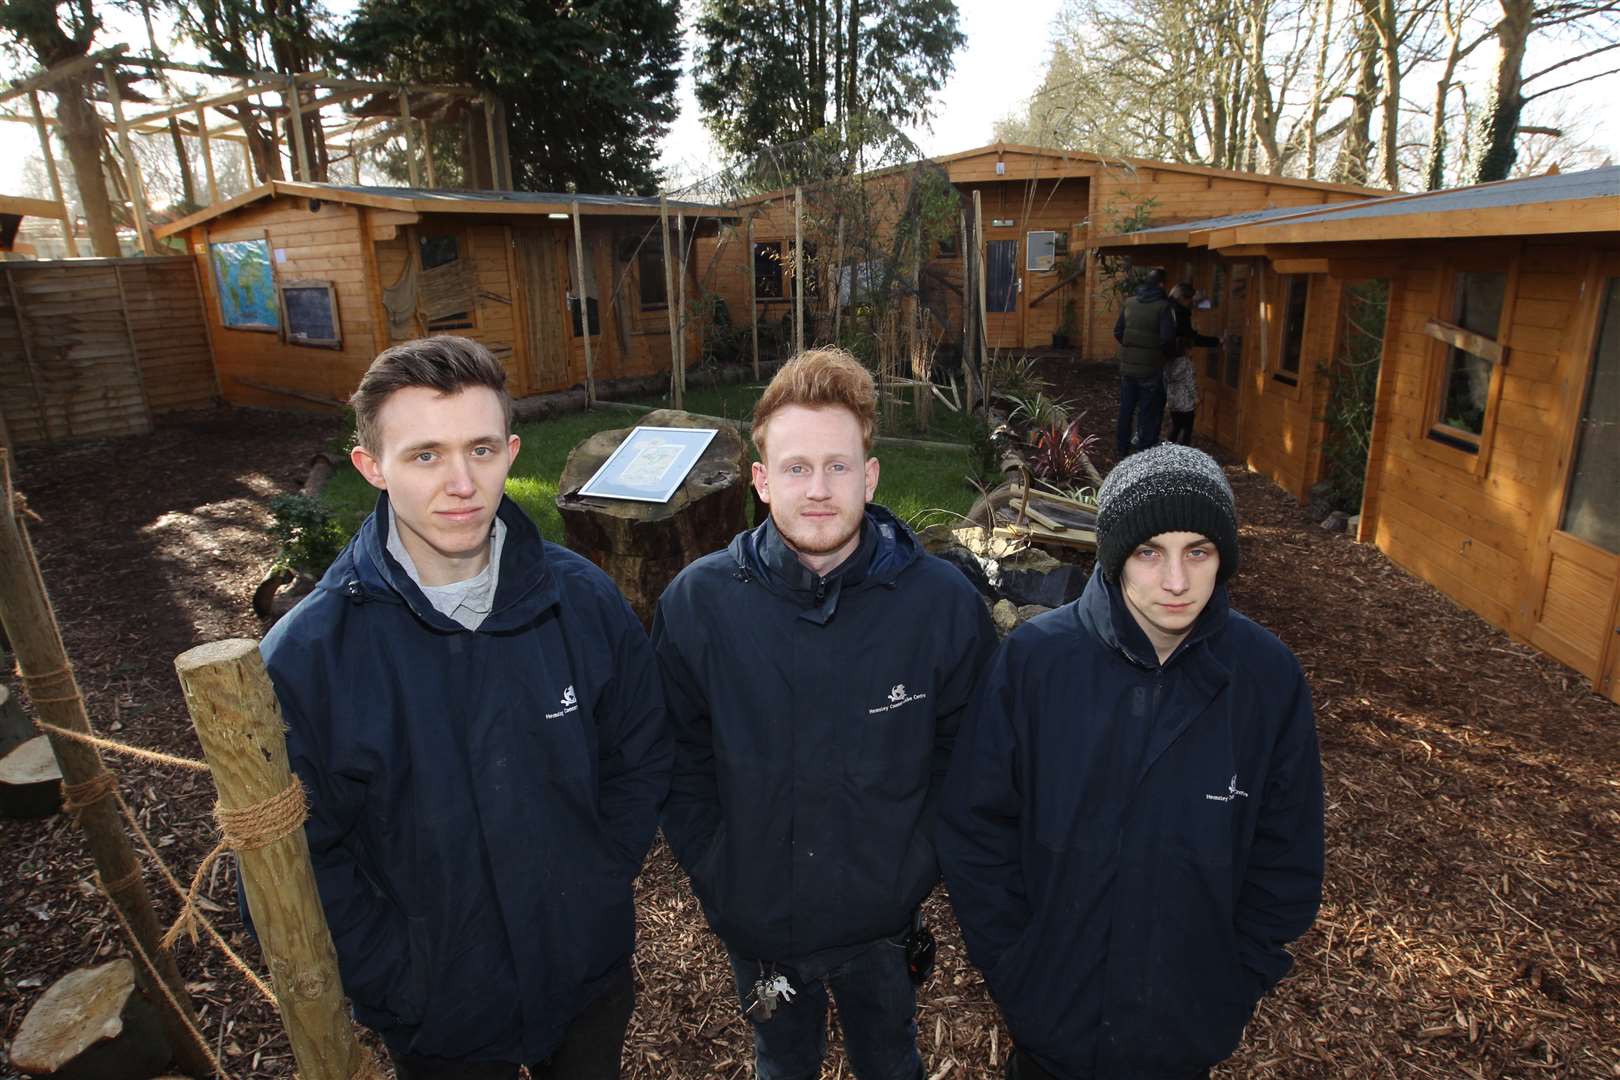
{"x": 1528, "y": 79}
{"x": 1565, "y": 86}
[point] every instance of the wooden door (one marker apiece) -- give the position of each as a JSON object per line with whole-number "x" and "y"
{"x": 543, "y": 277}
{"x": 1577, "y": 614}
{"x": 1223, "y": 402}
{"x": 1002, "y": 286}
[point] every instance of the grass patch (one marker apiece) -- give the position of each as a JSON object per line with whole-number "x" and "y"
{"x": 912, "y": 480}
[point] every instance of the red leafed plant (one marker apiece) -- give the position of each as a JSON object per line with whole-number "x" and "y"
{"x": 1060, "y": 453}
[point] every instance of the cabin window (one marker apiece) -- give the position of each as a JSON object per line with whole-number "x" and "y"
{"x": 1591, "y": 511}
{"x": 592, "y": 311}
{"x": 1296, "y": 291}
{"x": 447, "y": 279}
{"x": 650, "y": 272}
{"x": 947, "y": 246}
{"x": 1040, "y": 250}
{"x": 1469, "y": 331}
{"x": 769, "y": 279}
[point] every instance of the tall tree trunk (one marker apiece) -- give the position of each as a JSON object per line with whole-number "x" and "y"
{"x": 1499, "y": 120}
{"x": 1352, "y": 166}
{"x": 1264, "y": 127}
{"x": 1317, "y": 85}
{"x": 1389, "y": 44}
{"x": 1435, "y": 169}
{"x": 852, "y": 64}
{"x": 80, "y": 129}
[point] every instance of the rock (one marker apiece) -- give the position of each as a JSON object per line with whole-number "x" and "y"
{"x": 1005, "y": 616}
{"x": 1353, "y": 526}
{"x": 1336, "y": 521}
{"x": 15, "y": 727}
{"x": 1032, "y": 576}
{"x": 1029, "y": 611}
{"x": 972, "y": 569}
{"x": 93, "y": 1024}
{"x": 30, "y": 781}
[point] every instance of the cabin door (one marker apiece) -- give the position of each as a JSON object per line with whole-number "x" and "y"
{"x": 1222, "y": 400}
{"x": 1577, "y": 612}
{"x": 543, "y": 277}
{"x": 1002, "y": 286}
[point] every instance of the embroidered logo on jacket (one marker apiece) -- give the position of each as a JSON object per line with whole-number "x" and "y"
{"x": 570, "y": 703}
{"x": 1232, "y": 792}
{"x": 897, "y": 698}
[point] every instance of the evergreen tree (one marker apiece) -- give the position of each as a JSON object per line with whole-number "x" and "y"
{"x": 588, "y": 86}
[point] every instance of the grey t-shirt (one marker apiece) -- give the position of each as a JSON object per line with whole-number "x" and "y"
{"x": 467, "y": 602}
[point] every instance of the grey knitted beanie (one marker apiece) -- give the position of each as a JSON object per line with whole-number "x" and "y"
{"x": 1169, "y": 488}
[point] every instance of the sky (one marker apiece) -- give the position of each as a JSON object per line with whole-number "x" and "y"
{"x": 999, "y": 68}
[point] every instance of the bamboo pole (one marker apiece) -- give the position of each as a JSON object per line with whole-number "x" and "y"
{"x": 410, "y": 137}
{"x": 137, "y": 190}
{"x": 36, "y": 640}
{"x": 967, "y": 309}
{"x": 838, "y": 283}
{"x": 208, "y": 156}
{"x": 753, "y": 304}
{"x": 54, "y": 177}
{"x": 798, "y": 270}
{"x": 984, "y": 314}
{"x": 238, "y": 722}
{"x": 669, "y": 302}
{"x": 680, "y": 288}
{"x": 584, "y": 310}
{"x": 295, "y": 120}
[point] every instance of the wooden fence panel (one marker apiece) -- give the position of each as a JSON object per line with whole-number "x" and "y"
{"x": 91, "y": 348}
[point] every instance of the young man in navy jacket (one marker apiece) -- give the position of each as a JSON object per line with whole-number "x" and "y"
{"x": 816, "y": 672}
{"x": 477, "y": 718}
{"x": 1132, "y": 827}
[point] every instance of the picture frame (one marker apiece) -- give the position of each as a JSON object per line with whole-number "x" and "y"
{"x": 650, "y": 464}
{"x": 309, "y": 311}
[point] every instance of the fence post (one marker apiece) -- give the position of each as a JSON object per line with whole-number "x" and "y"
{"x": 238, "y": 722}
{"x": 25, "y": 611}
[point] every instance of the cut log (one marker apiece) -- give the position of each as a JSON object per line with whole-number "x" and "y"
{"x": 15, "y": 727}
{"x": 320, "y": 473}
{"x": 641, "y": 545}
{"x": 30, "y": 780}
{"x": 92, "y": 1025}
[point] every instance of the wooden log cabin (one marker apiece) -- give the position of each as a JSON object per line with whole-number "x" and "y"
{"x": 305, "y": 283}
{"x": 1495, "y": 442}
{"x": 1041, "y": 209}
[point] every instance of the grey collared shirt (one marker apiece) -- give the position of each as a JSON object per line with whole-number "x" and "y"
{"x": 468, "y": 602}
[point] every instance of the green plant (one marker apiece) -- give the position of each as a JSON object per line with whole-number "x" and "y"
{"x": 1015, "y": 377}
{"x": 307, "y": 534}
{"x": 1069, "y": 325}
{"x": 1353, "y": 377}
{"x": 346, "y": 436}
{"x": 1038, "y": 411}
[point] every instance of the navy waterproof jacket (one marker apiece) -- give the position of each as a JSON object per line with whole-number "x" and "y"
{"x": 814, "y": 719}
{"x": 480, "y": 801}
{"x": 1129, "y": 845}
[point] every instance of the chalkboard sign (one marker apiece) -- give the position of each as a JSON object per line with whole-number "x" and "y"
{"x": 310, "y": 310}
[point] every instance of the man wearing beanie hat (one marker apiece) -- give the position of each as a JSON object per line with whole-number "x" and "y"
{"x": 1132, "y": 822}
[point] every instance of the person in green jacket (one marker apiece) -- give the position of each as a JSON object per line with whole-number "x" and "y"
{"x": 1146, "y": 332}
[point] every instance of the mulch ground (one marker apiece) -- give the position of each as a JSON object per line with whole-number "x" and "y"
{"x": 1471, "y": 926}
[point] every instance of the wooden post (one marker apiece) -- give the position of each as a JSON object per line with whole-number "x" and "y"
{"x": 23, "y": 319}
{"x": 669, "y": 303}
{"x": 753, "y": 305}
{"x": 494, "y": 147}
{"x": 208, "y": 156}
{"x": 798, "y": 270}
{"x": 238, "y": 722}
{"x": 247, "y": 159}
{"x": 983, "y": 319}
{"x": 137, "y": 190}
{"x": 584, "y": 309}
{"x": 134, "y": 349}
{"x": 30, "y": 624}
{"x": 838, "y": 282}
{"x": 680, "y": 289}
{"x": 56, "y": 179}
{"x": 410, "y": 137}
{"x": 295, "y": 120}
{"x": 967, "y": 305}
{"x": 427, "y": 152}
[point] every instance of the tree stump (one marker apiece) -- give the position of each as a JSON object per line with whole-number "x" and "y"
{"x": 642, "y": 545}
{"x": 15, "y": 727}
{"x": 30, "y": 780}
{"x": 92, "y": 1025}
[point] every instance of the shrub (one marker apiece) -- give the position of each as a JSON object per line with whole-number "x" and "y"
{"x": 307, "y": 536}
{"x": 1059, "y": 453}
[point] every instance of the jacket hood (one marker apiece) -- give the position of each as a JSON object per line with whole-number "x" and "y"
{"x": 1149, "y": 293}
{"x": 887, "y": 548}
{"x": 1102, "y": 612}
{"x": 526, "y": 587}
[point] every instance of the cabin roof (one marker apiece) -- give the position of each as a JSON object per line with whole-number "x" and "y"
{"x": 1187, "y": 232}
{"x": 431, "y": 201}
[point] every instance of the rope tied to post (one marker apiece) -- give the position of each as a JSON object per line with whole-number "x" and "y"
{"x": 76, "y": 798}
{"x": 36, "y": 684}
{"x": 243, "y": 828}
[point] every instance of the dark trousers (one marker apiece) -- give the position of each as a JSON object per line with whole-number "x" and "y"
{"x": 1141, "y": 403}
{"x": 1023, "y": 1067}
{"x": 877, "y": 1010}
{"x": 590, "y": 1048}
{"x": 1181, "y": 426}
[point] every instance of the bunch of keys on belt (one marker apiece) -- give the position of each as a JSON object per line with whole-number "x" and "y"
{"x": 767, "y": 991}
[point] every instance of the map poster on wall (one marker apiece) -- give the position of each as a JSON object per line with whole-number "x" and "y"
{"x": 650, "y": 464}
{"x": 247, "y": 289}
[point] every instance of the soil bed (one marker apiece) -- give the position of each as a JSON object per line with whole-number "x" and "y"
{"x": 1472, "y": 921}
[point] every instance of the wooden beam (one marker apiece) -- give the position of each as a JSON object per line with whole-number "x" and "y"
{"x": 134, "y": 349}
{"x": 137, "y": 190}
{"x": 427, "y": 152}
{"x": 584, "y": 309}
{"x": 680, "y": 289}
{"x": 295, "y": 121}
{"x": 798, "y": 268}
{"x": 494, "y": 151}
{"x": 55, "y": 178}
{"x": 64, "y": 70}
{"x": 240, "y": 94}
{"x": 669, "y": 301}
{"x": 1300, "y": 266}
{"x": 410, "y": 138}
{"x": 753, "y": 303}
{"x": 208, "y": 158}
{"x": 1466, "y": 340}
